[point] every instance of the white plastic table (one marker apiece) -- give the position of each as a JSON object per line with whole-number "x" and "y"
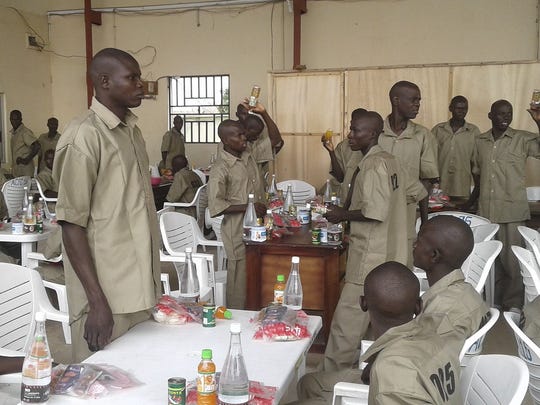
{"x": 28, "y": 241}
{"x": 154, "y": 352}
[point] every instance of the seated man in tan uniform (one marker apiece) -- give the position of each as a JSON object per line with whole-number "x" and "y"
{"x": 405, "y": 363}
{"x": 443, "y": 244}
{"x": 45, "y": 177}
{"x": 184, "y": 186}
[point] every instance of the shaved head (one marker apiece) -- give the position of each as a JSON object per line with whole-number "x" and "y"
{"x": 499, "y": 103}
{"x": 106, "y": 61}
{"x": 396, "y": 89}
{"x": 227, "y": 127}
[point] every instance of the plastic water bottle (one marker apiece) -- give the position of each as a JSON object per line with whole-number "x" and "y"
{"x": 272, "y": 189}
{"x": 37, "y": 366}
{"x": 250, "y": 217}
{"x": 289, "y": 201}
{"x": 327, "y": 198}
{"x": 234, "y": 382}
{"x": 25, "y": 198}
{"x": 293, "y": 290}
{"x": 189, "y": 282}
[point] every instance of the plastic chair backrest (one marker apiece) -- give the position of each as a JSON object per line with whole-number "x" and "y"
{"x": 533, "y": 193}
{"x": 473, "y": 344}
{"x": 177, "y": 232}
{"x": 494, "y": 379}
{"x": 477, "y": 266}
{"x": 530, "y": 272}
{"x": 529, "y": 352}
{"x": 13, "y": 191}
{"x": 532, "y": 240}
{"x": 202, "y": 204}
{"x": 484, "y": 232}
{"x": 46, "y": 200}
{"x": 201, "y": 175}
{"x": 302, "y": 191}
{"x": 470, "y": 219}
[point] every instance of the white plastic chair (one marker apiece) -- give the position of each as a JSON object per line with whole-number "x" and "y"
{"x": 529, "y": 352}
{"x": 301, "y": 190}
{"x": 46, "y": 199}
{"x": 494, "y": 379}
{"x": 200, "y": 194}
{"x": 477, "y": 266}
{"x": 200, "y": 173}
{"x": 22, "y": 294}
{"x": 532, "y": 240}
{"x": 484, "y": 232}
{"x": 473, "y": 345}
{"x": 13, "y": 191}
{"x": 350, "y": 394}
{"x": 530, "y": 272}
{"x": 470, "y": 219}
{"x": 533, "y": 193}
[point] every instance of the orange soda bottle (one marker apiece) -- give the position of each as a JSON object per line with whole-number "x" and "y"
{"x": 223, "y": 313}
{"x": 279, "y": 289}
{"x": 206, "y": 380}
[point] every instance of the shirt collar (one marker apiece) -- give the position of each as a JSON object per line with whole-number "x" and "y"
{"x": 109, "y": 118}
{"x": 510, "y": 132}
{"x": 230, "y": 159}
{"x": 406, "y": 133}
{"x": 441, "y": 285}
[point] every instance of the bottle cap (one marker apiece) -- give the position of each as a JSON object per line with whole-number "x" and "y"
{"x": 227, "y": 314}
{"x": 268, "y": 212}
{"x": 280, "y": 277}
{"x": 295, "y": 259}
{"x": 40, "y": 316}
{"x": 236, "y": 327}
{"x": 189, "y": 250}
{"x": 251, "y": 195}
{"x": 206, "y": 354}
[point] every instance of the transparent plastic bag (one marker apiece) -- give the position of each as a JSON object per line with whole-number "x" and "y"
{"x": 168, "y": 310}
{"x": 279, "y": 323}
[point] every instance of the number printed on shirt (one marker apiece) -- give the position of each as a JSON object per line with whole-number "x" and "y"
{"x": 393, "y": 179}
{"x": 445, "y": 381}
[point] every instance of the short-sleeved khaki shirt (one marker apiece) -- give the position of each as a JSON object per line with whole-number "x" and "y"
{"x": 501, "y": 166}
{"x": 184, "y": 187}
{"x": 46, "y": 180}
{"x": 378, "y": 192}
{"x": 456, "y": 152}
{"x": 46, "y": 143}
{"x": 348, "y": 160}
{"x": 415, "y": 148}
{"x": 415, "y": 365}
{"x": 456, "y": 298}
{"x": 101, "y": 168}
{"x": 173, "y": 144}
{"x": 20, "y": 147}
{"x": 531, "y": 313}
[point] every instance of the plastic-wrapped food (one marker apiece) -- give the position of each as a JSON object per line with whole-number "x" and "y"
{"x": 279, "y": 323}
{"x": 86, "y": 380}
{"x": 168, "y": 310}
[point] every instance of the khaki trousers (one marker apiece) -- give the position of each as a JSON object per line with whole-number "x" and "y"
{"x": 509, "y": 288}
{"x": 318, "y": 388}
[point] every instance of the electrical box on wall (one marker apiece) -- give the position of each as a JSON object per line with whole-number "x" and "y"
{"x": 32, "y": 42}
{"x": 150, "y": 89}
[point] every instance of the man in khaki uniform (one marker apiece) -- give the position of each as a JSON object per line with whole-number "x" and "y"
{"x": 24, "y": 146}
{"x": 106, "y": 210}
{"x": 500, "y": 158}
{"x": 375, "y": 208}
{"x": 531, "y": 320}
{"x": 232, "y": 178}
{"x": 48, "y": 141}
{"x": 45, "y": 176}
{"x": 172, "y": 143}
{"x": 413, "y": 145}
{"x": 184, "y": 186}
{"x": 456, "y": 146}
{"x": 404, "y": 361}
{"x": 443, "y": 244}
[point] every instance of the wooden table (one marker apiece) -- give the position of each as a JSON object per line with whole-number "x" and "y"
{"x": 321, "y": 270}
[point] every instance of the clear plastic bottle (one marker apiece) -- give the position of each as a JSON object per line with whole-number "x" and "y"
{"x": 279, "y": 289}
{"x": 327, "y": 198}
{"x": 40, "y": 215}
{"x": 269, "y": 224}
{"x": 37, "y": 366}
{"x": 29, "y": 220}
{"x": 272, "y": 189}
{"x": 254, "y": 97}
{"x": 25, "y": 198}
{"x": 250, "y": 217}
{"x": 289, "y": 202}
{"x": 206, "y": 379}
{"x": 234, "y": 381}
{"x": 188, "y": 280}
{"x": 293, "y": 290}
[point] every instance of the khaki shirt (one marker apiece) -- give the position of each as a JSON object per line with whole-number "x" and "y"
{"x": 501, "y": 166}
{"x": 173, "y": 144}
{"x": 46, "y": 180}
{"x": 379, "y": 194}
{"x": 456, "y": 298}
{"x": 46, "y": 143}
{"x": 415, "y": 365}
{"x": 415, "y": 148}
{"x": 20, "y": 147}
{"x": 348, "y": 160}
{"x": 531, "y": 313}
{"x": 456, "y": 152}
{"x": 101, "y": 168}
{"x": 184, "y": 187}
{"x": 231, "y": 180}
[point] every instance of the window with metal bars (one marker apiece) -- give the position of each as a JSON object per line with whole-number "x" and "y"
{"x": 203, "y": 102}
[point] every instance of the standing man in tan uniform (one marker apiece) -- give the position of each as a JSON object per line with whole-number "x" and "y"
{"x": 106, "y": 210}
{"x": 376, "y": 209}
{"x": 48, "y": 141}
{"x": 500, "y": 157}
{"x": 173, "y": 143}
{"x": 456, "y": 150}
{"x": 184, "y": 186}
{"x": 232, "y": 178}
{"x": 24, "y": 146}
{"x": 413, "y": 145}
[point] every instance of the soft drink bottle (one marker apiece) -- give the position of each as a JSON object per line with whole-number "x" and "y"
{"x": 234, "y": 382}
{"x": 279, "y": 289}
{"x": 206, "y": 379}
{"x": 223, "y": 313}
{"x": 293, "y": 290}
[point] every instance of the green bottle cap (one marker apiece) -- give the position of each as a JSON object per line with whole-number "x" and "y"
{"x": 280, "y": 278}
{"x": 206, "y": 354}
{"x": 227, "y": 314}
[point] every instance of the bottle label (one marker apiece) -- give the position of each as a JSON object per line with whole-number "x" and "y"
{"x": 34, "y": 394}
{"x": 278, "y": 296}
{"x": 206, "y": 383}
{"x": 208, "y": 319}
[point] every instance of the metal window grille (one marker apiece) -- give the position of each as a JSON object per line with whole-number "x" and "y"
{"x": 203, "y": 102}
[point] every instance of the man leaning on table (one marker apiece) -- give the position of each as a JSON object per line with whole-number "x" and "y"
{"x": 106, "y": 210}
